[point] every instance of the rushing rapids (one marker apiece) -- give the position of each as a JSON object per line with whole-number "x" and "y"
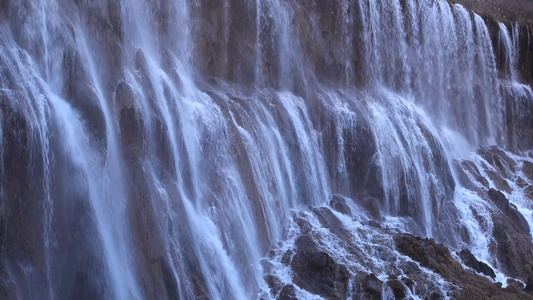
{"x": 231, "y": 149}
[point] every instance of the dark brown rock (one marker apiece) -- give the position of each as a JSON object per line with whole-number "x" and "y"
{"x": 274, "y": 283}
{"x": 330, "y": 221}
{"x": 286, "y": 258}
{"x": 471, "y": 261}
{"x": 438, "y": 258}
{"x": 372, "y": 285}
{"x": 515, "y": 286}
{"x": 367, "y": 287}
{"x": 409, "y": 267}
{"x": 529, "y": 285}
{"x": 317, "y": 272}
{"x": 338, "y": 203}
{"x": 514, "y": 216}
{"x": 410, "y": 284}
{"x": 499, "y": 181}
{"x": 436, "y": 295}
{"x": 513, "y": 248}
{"x": 397, "y": 288}
{"x": 499, "y": 160}
{"x": 467, "y": 166}
{"x": 287, "y": 293}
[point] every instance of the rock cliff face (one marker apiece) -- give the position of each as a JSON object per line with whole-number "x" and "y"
{"x": 239, "y": 149}
{"x": 519, "y": 11}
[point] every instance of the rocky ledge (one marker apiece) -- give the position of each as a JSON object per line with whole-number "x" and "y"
{"x": 502, "y": 10}
{"x": 337, "y": 254}
{"x": 438, "y": 258}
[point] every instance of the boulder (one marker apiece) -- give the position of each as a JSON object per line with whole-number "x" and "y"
{"x": 429, "y": 254}
{"x": 367, "y": 287}
{"x": 317, "y": 272}
{"x": 513, "y": 247}
{"x": 509, "y": 210}
{"x": 409, "y": 267}
{"x": 470, "y": 260}
{"x": 499, "y": 199}
{"x": 273, "y": 283}
{"x": 436, "y": 295}
{"x": 372, "y": 285}
{"x": 409, "y": 283}
{"x": 397, "y": 288}
{"x": 466, "y": 167}
{"x": 287, "y": 293}
{"x": 338, "y": 203}
{"x": 499, "y": 181}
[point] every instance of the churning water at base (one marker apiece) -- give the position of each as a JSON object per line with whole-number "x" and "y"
{"x": 160, "y": 158}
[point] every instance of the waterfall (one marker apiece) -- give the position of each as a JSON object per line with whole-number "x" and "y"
{"x": 161, "y": 149}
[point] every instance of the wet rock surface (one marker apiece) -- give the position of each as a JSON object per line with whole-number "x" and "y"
{"x": 370, "y": 286}
{"x": 516, "y": 10}
{"x": 338, "y": 203}
{"x": 317, "y": 272}
{"x": 438, "y": 258}
{"x": 287, "y": 293}
{"x": 318, "y": 269}
{"x": 471, "y": 261}
{"x": 514, "y": 249}
{"x": 515, "y": 218}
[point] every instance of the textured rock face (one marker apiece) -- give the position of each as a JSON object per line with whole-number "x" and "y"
{"x": 471, "y": 261}
{"x": 515, "y": 218}
{"x": 317, "y": 272}
{"x": 371, "y": 286}
{"x": 509, "y": 228}
{"x": 508, "y": 10}
{"x": 438, "y": 258}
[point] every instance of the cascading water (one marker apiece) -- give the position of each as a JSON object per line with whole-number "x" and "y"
{"x": 160, "y": 149}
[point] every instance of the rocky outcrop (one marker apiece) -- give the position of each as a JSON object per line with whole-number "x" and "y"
{"x": 511, "y": 244}
{"x": 317, "y": 268}
{"x": 368, "y": 286}
{"x": 511, "y": 233}
{"x": 317, "y": 272}
{"x": 505, "y": 10}
{"x": 439, "y": 259}
{"x": 338, "y": 203}
{"x": 514, "y": 217}
{"x": 471, "y": 261}
{"x": 287, "y": 293}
